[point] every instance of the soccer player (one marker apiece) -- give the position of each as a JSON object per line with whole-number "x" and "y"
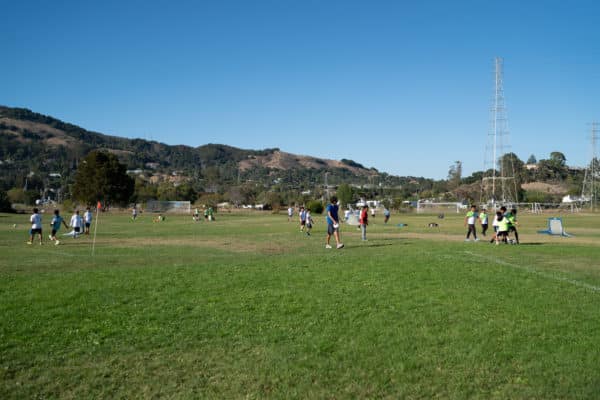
{"x": 36, "y": 226}
{"x": 333, "y": 223}
{"x": 302, "y": 216}
{"x": 470, "y": 222}
{"x": 76, "y": 224}
{"x": 512, "y": 223}
{"x": 502, "y": 233}
{"x": 290, "y": 211}
{"x": 134, "y": 212}
{"x": 309, "y": 222}
{"x": 386, "y": 215}
{"x": 57, "y": 220}
{"x": 483, "y": 218}
{"x": 87, "y": 219}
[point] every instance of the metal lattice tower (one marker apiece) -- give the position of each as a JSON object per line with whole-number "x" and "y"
{"x": 588, "y": 192}
{"x": 498, "y": 186}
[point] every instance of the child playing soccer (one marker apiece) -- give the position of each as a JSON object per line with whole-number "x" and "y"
{"x": 302, "y": 217}
{"x": 512, "y": 223}
{"x": 36, "y": 226}
{"x": 309, "y": 222}
{"x": 502, "y": 232}
{"x": 87, "y": 219}
{"x": 470, "y": 222}
{"x": 483, "y": 217}
{"x": 76, "y": 224}
{"x": 55, "y": 224}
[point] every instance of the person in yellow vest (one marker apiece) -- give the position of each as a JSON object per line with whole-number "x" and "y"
{"x": 512, "y": 223}
{"x": 503, "y": 225}
{"x": 470, "y": 219}
{"x": 483, "y": 218}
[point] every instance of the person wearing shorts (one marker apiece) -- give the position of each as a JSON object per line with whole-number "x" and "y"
{"x": 87, "y": 220}
{"x": 76, "y": 223}
{"x": 57, "y": 220}
{"x": 36, "y": 226}
{"x": 309, "y": 222}
{"x": 333, "y": 224}
{"x": 503, "y": 224}
{"x": 302, "y": 216}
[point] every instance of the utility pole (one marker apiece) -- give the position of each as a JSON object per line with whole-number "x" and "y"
{"x": 588, "y": 191}
{"x": 326, "y": 187}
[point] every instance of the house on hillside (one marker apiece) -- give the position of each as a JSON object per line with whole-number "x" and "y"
{"x": 570, "y": 199}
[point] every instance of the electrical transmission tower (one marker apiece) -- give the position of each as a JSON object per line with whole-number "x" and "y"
{"x": 588, "y": 192}
{"x": 498, "y": 186}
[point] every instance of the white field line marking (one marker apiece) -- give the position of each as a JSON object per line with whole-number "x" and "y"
{"x": 536, "y": 272}
{"x": 63, "y": 253}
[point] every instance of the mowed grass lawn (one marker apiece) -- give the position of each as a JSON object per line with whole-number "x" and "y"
{"x": 249, "y": 307}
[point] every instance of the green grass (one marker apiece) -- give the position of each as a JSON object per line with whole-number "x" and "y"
{"x": 248, "y": 307}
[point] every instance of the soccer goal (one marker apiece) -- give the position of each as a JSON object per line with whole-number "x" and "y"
{"x": 555, "y": 227}
{"x": 177, "y": 207}
{"x": 430, "y": 207}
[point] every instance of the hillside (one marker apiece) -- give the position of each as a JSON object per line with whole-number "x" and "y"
{"x": 34, "y": 145}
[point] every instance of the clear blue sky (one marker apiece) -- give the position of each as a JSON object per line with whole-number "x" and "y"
{"x": 402, "y": 86}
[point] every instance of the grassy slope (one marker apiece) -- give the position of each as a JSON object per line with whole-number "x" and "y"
{"x": 249, "y": 307}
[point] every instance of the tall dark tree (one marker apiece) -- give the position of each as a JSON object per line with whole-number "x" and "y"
{"x": 455, "y": 174}
{"x": 558, "y": 158}
{"x": 100, "y": 176}
{"x": 5, "y": 205}
{"x": 344, "y": 194}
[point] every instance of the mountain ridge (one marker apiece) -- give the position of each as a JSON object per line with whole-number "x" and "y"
{"x": 38, "y": 143}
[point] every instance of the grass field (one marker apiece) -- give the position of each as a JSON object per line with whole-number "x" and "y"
{"x": 248, "y": 307}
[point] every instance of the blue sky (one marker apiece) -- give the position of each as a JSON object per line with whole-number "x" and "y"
{"x": 405, "y": 87}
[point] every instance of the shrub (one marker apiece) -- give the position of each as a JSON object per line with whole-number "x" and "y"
{"x": 315, "y": 206}
{"x": 5, "y": 205}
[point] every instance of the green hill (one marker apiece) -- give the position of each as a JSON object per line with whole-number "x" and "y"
{"x": 36, "y": 149}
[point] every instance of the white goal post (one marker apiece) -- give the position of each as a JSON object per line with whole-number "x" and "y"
{"x": 178, "y": 207}
{"x": 431, "y": 207}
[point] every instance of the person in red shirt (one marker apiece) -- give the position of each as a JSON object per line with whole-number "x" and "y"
{"x": 364, "y": 221}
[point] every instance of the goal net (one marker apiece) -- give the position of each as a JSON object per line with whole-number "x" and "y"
{"x": 431, "y": 207}
{"x": 180, "y": 207}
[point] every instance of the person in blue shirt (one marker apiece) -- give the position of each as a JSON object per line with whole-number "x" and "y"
{"x": 57, "y": 220}
{"x": 333, "y": 223}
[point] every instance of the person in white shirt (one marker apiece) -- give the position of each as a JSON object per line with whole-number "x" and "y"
{"x": 36, "y": 226}
{"x": 290, "y": 213}
{"x": 87, "y": 219}
{"x": 76, "y": 224}
{"x": 309, "y": 222}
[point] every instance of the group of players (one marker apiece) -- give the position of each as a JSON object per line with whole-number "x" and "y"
{"x": 504, "y": 223}
{"x": 78, "y": 224}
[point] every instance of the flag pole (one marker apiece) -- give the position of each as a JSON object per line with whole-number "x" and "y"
{"x": 98, "y": 207}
